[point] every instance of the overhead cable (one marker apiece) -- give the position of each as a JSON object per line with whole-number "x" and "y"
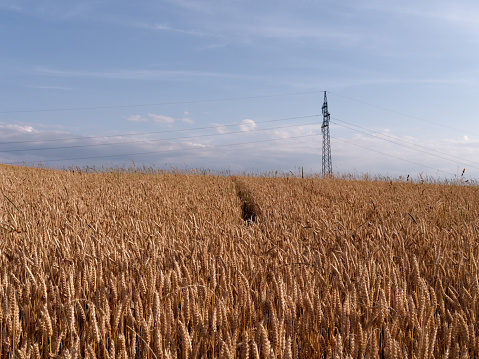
{"x": 393, "y": 156}
{"x": 395, "y": 138}
{"x": 163, "y": 151}
{"x": 405, "y": 114}
{"x": 156, "y": 140}
{"x": 406, "y": 146}
{"x": 159, "y": 103}
{"x": 154, "y": 132}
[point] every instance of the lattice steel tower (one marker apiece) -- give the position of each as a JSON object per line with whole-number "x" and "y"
{"x": 327, "y": 165}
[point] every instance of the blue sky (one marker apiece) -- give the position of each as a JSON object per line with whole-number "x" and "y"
{"x": 238, "y": 84}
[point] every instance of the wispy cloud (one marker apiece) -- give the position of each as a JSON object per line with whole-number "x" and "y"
{"x": 60, "y": 88}
{"x": 166, "y": 27}
{"x": 459, "y": 14}
{"x": 292, "y": 31}
{"x": 132, "y": 74}
{"x": 203, "y": 7}
{"x": 213, "y": 46}
{"x": 457, "y": 77}
{"x": 389, "y": 80}
{"x": 16, "y": 129}
{"x": 62, "y": 10}
{"x": 236, "y": 22}
{"x": 12, "y": 7}
{"x": 160, "y": 119}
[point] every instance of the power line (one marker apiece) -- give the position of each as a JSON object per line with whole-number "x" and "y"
{"x": 152, "y": 132}
{"x": 163, "y": 151}
{"x": 396, "y": 157}
{"x": 226, "y": 145}
{"x": 156, "y": 140}
{"x": 239, "y": 144}
{"x": 409, "y": 142}
{"x": 223, "y": 126}
{"x": 234, "y": 99}
{"x": 416, "y": 149}
{"x": 159, "y": 104}
{"x": 405, "y": 114}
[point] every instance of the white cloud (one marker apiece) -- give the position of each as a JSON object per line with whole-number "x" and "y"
{"x": 60, "y": 149}
{"x": 195, "y": 144}
{"x": 136, "y": 118}
{"x": 221, "y": 129}
{"x": 14, "y": 129}
{"x": 247, "y": 125}
{"x": 439, "y": 157}
{"x": 160, "y": 119}
{"x": 188, "y": 120}
{"x": 297, "y": 146}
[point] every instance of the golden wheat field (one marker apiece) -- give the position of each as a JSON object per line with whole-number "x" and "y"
{"x": 164, "y": 265}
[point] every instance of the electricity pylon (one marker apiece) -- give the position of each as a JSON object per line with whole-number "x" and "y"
{"x": 327, "y": 165}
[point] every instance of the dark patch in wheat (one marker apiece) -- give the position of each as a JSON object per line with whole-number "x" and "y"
{"x": 250, "y": 210}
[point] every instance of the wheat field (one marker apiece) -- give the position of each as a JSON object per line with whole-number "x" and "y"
{"x": 130, "y": 264}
